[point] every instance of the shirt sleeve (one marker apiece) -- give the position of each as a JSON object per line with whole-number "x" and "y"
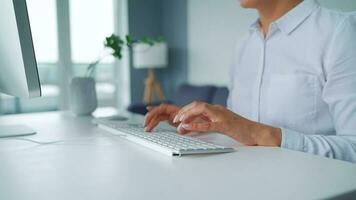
{"x": 339, "y": 93}
{"x": 337, "y": 146}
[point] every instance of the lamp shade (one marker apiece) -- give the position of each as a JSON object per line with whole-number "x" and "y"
{"x": 147, "y": 56}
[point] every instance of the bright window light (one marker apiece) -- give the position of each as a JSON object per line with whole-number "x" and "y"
{"x": 91, "y": 22}
{"x": 43, "y": 22}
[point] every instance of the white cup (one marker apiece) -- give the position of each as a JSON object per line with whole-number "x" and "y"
{"x": 83, "y": 99}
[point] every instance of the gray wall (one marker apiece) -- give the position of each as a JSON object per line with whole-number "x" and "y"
{"x": 344, "y": 5}
{"x": 215, "y": 28}
{"x": 167, "y": 18}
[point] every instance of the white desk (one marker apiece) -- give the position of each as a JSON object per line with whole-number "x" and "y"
{"x": 92, "y": 164}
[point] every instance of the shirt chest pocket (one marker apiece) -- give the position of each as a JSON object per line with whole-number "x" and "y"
{"x": 291, "y": 101}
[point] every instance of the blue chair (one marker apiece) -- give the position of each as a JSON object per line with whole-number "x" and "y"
{"x": 186, "y": 94}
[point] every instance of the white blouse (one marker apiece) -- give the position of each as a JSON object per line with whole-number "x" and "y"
{"x": 302, "y": 79}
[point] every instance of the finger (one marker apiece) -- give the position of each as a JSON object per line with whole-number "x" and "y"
{"x": 149, "y": 108}
{"x": 181, "y": 130}
{"x": 150, "y": 126}
{"x": 148, "y": 118}
{"x": 184, "y": 109}
{"x": 200, "y": 127}
{"x": 178, "y": 115}
{"x": 158, "y": 110}
{"x": 151, "y": 114}
{"x": 155, "y": 121}
{"x": 170, "y": 108}
{"x": 203, "y": 110}
{"x": 197, "y": 118}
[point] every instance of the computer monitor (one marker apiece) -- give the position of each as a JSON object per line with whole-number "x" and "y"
{"x": 18, "y": 67}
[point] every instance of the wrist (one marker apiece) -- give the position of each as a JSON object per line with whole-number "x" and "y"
{"x": 252, "y": 133}
{"x": 244, "y": 131}
{"x": 264, "y": 135}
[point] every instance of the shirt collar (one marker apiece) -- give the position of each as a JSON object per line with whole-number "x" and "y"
{"x": 290, "y": 21}
{"x": 255, "y": 25}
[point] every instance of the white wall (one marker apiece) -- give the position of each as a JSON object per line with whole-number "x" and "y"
{"x": 214, "y": 28}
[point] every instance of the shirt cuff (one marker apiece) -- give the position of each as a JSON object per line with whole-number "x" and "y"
{"x": 292, "y": 140}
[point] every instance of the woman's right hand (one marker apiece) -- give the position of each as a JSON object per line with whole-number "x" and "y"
{"x": 156, "y": 114}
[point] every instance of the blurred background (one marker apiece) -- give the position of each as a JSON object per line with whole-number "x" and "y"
{"x": 69, "y": 34}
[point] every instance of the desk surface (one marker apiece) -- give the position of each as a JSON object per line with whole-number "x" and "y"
{"x": 90, "y": 163}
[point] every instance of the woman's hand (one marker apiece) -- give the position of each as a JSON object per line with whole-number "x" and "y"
{"x": 164, "y": 112}
{"x": 156, "y": 114}
{"x": 214, "y": 118}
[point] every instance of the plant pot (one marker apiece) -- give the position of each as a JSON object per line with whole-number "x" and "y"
{"x": 83, "y": 98}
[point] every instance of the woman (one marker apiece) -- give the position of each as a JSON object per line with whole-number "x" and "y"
{"x": 293, "y": 84}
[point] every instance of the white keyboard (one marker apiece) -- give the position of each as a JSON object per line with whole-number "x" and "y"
{"x": 162, "y": 140}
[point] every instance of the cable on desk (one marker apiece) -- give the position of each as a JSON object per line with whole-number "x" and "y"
{"x": 56, "y": 142}
{"x": 37, "y": 142}
{"x": 34, "y": 141}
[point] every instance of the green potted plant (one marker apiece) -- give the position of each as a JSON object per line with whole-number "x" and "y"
{"x": 114, "y": 45}
{"x": 83, "y": 98}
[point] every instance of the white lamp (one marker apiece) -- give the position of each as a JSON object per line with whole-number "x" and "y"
{"x": 150, "y": 57}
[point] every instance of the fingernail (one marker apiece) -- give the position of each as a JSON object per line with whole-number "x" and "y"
{"x": 175, "y": 119}
{"x": 181, "y": 118}
{"x": 186, "y": 126}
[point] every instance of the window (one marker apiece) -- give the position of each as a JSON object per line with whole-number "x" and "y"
{"x": 91, "y": 22}
{"x": 44, "y": 29}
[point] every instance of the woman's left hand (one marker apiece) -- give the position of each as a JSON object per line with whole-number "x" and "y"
{"x": 219, "y": 119}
